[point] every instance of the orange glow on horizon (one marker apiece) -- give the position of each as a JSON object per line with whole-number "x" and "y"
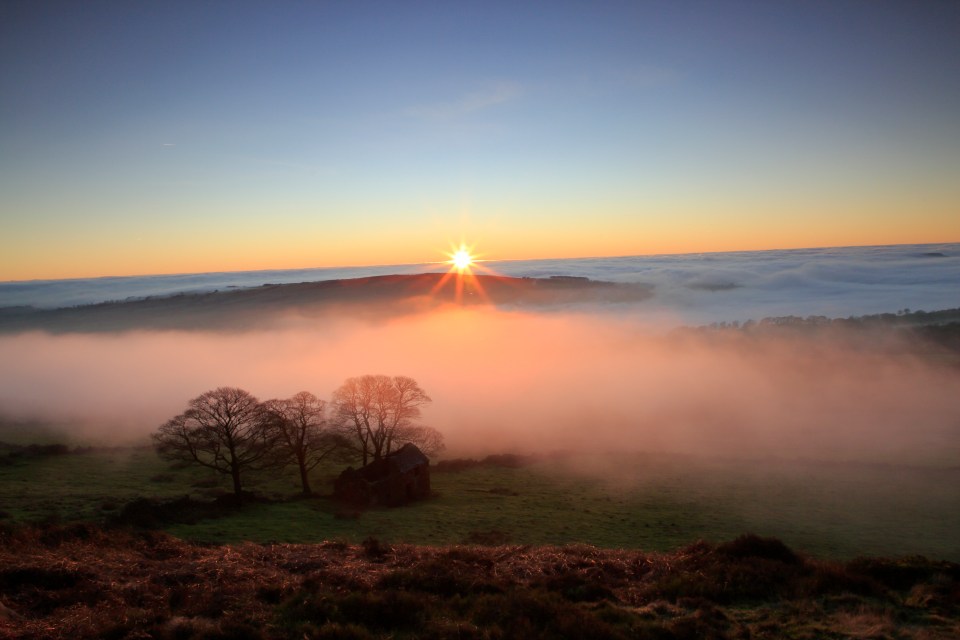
{"x": 462, "y": 261}
{"x": 22, "y": 260}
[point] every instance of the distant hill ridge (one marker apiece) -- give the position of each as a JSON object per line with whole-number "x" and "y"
{"x": 374, "y": 295}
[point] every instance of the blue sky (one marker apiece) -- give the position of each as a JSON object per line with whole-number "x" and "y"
{"x": 174, "y": 137}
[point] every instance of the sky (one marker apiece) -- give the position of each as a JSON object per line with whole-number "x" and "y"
{"x": 184, "y": 137}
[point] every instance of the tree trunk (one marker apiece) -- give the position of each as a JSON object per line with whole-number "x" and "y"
{"x": 304, "y": 481}
{"x": 235, "y": 473}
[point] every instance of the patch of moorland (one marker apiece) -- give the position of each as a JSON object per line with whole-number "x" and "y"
{"x": 81, "y": 581}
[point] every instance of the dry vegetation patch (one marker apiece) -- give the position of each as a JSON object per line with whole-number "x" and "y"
{"x": 82, "y": 581}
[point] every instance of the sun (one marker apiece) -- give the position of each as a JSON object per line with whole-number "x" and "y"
{"x": 461, "y": 258}
{"x": 462, "y": 262}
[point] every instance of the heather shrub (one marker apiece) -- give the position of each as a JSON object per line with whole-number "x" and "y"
{"x": 752, "y": 546}
{"x": 384, "y": 609}
{"x": 373, "y": 548}
{"x": 537, "y": 613}
{"x": 721, "y": 577}
{"x": 578, "y": 588}
{"x": 899, "y": 574}
{"x": 438, "y": 577}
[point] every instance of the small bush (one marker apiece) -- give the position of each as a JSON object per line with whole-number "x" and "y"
{"x": 51, "y": 579}
{"x": 752, "y": 546}
{"x": 384, "y": 609}
{"x": 577, "y": 588}
{"x": 52, "y": 534}
{"x": 834, "y": 578}
{"x": 535, "y": 613}
{"x": 373, "y": 548}
{"x": 270, "y": 594}
{"x": 900, "y": 574}
{"x": 720, "y": 576}
{"x": 439, "y": 577}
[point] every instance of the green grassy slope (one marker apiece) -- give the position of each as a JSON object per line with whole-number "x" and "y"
{"x": 657, "y": 503}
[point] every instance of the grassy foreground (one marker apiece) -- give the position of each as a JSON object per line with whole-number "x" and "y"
{"x": 83, "y": 582}
{"x": 498, "y": 552}
{"x": 657, "y": 503}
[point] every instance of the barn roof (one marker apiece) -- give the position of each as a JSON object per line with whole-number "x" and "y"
{"x": 407, "y": 457}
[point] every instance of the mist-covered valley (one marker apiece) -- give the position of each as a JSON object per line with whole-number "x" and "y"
{"x": 598, "y": 377}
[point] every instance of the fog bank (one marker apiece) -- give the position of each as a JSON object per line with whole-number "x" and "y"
{"x": 510, "y": 381}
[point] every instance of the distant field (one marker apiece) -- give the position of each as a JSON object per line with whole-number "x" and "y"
{"x": 658, "y": 503}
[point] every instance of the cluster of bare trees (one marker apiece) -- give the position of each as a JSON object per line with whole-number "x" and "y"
{"x": 230, "y": 431}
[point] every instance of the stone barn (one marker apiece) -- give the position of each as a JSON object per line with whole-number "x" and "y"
{"x": 396, "y": 479}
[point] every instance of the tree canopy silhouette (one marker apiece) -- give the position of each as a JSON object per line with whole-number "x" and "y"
{"x": 379, "y": 413}
{"x": 224, "y": 430}
{"x": 304, "y": 434}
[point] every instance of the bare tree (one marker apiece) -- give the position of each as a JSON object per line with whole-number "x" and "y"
{"x": 304, "y": 433}
{"x": 223, "y": 430}
{"x": 379, "y": 413}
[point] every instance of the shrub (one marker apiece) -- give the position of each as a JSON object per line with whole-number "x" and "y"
{"x": 752, "y": 546}
{"x": 384, "y": 609}
{"x": 373, "y": 548}
{"x": 834, "y": 578}
{"x": 271, "y": 594}
{"x": 51, "y": 579}
{"x": 899, "y": 574}
{"x": 538, "y": 613}
{"x": 719, "y": 575}
{"x": 578, "y": 588}
{"x": 428, "y": 577}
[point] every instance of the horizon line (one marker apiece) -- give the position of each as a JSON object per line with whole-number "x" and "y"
{"x": 489, "y": 260}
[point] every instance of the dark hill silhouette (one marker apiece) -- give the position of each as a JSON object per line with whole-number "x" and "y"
{"x": 372, "y": 297}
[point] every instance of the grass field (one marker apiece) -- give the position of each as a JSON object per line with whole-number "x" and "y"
{"x": 659, "y": 502}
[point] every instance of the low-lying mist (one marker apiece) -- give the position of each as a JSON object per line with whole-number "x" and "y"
{"x": 520, "y": 382}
